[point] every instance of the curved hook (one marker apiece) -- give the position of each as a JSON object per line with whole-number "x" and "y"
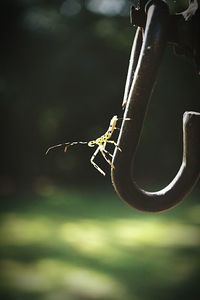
{"x": 154, "y": 42}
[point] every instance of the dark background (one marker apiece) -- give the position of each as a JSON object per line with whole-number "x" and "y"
{"x": 63, "y": 70}
{"x": 63, "y": 67}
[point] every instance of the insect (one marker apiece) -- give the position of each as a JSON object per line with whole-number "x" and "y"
{"x": 100, "y": 142}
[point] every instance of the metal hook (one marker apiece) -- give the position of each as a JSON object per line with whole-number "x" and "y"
{"x": 138, "y": 89}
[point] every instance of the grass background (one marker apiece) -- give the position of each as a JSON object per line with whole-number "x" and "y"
{"x": 86, "y": 244}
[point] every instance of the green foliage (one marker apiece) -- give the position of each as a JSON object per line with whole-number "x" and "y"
{"x": 67, "y": 244}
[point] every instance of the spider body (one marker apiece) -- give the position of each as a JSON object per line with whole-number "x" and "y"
{"x": 100, "y": 142}
{"x": 107, "y": 135}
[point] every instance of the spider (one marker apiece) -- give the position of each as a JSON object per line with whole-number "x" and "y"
{"x": 100, "y": 142}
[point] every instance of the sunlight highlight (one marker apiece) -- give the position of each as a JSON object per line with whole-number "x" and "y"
{"x": 96, "y": 237}
{"x": 111, "y": 7}
{"x": 17, "y": 230}
{"x": 48, "y": 275}
{"x": 105, "y": 239}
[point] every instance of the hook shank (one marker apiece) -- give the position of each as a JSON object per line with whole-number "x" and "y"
{"x": 154, "y": 42}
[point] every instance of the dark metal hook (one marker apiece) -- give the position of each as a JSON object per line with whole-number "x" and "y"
{"x": 138, "y": 92}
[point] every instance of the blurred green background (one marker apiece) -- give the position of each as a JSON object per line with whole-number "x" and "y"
{"x": 64, "y": 232}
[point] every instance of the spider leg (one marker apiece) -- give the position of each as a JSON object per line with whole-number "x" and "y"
{"x": 71, "y": 144}
{"x": 67, "y": 145}
{"x": 103, "y": 148}
{"x": 93, "y": 163}
{"x": 104, "y": 152}
{"x": 113, "y": 142}
{"x": 56, "y": 146}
